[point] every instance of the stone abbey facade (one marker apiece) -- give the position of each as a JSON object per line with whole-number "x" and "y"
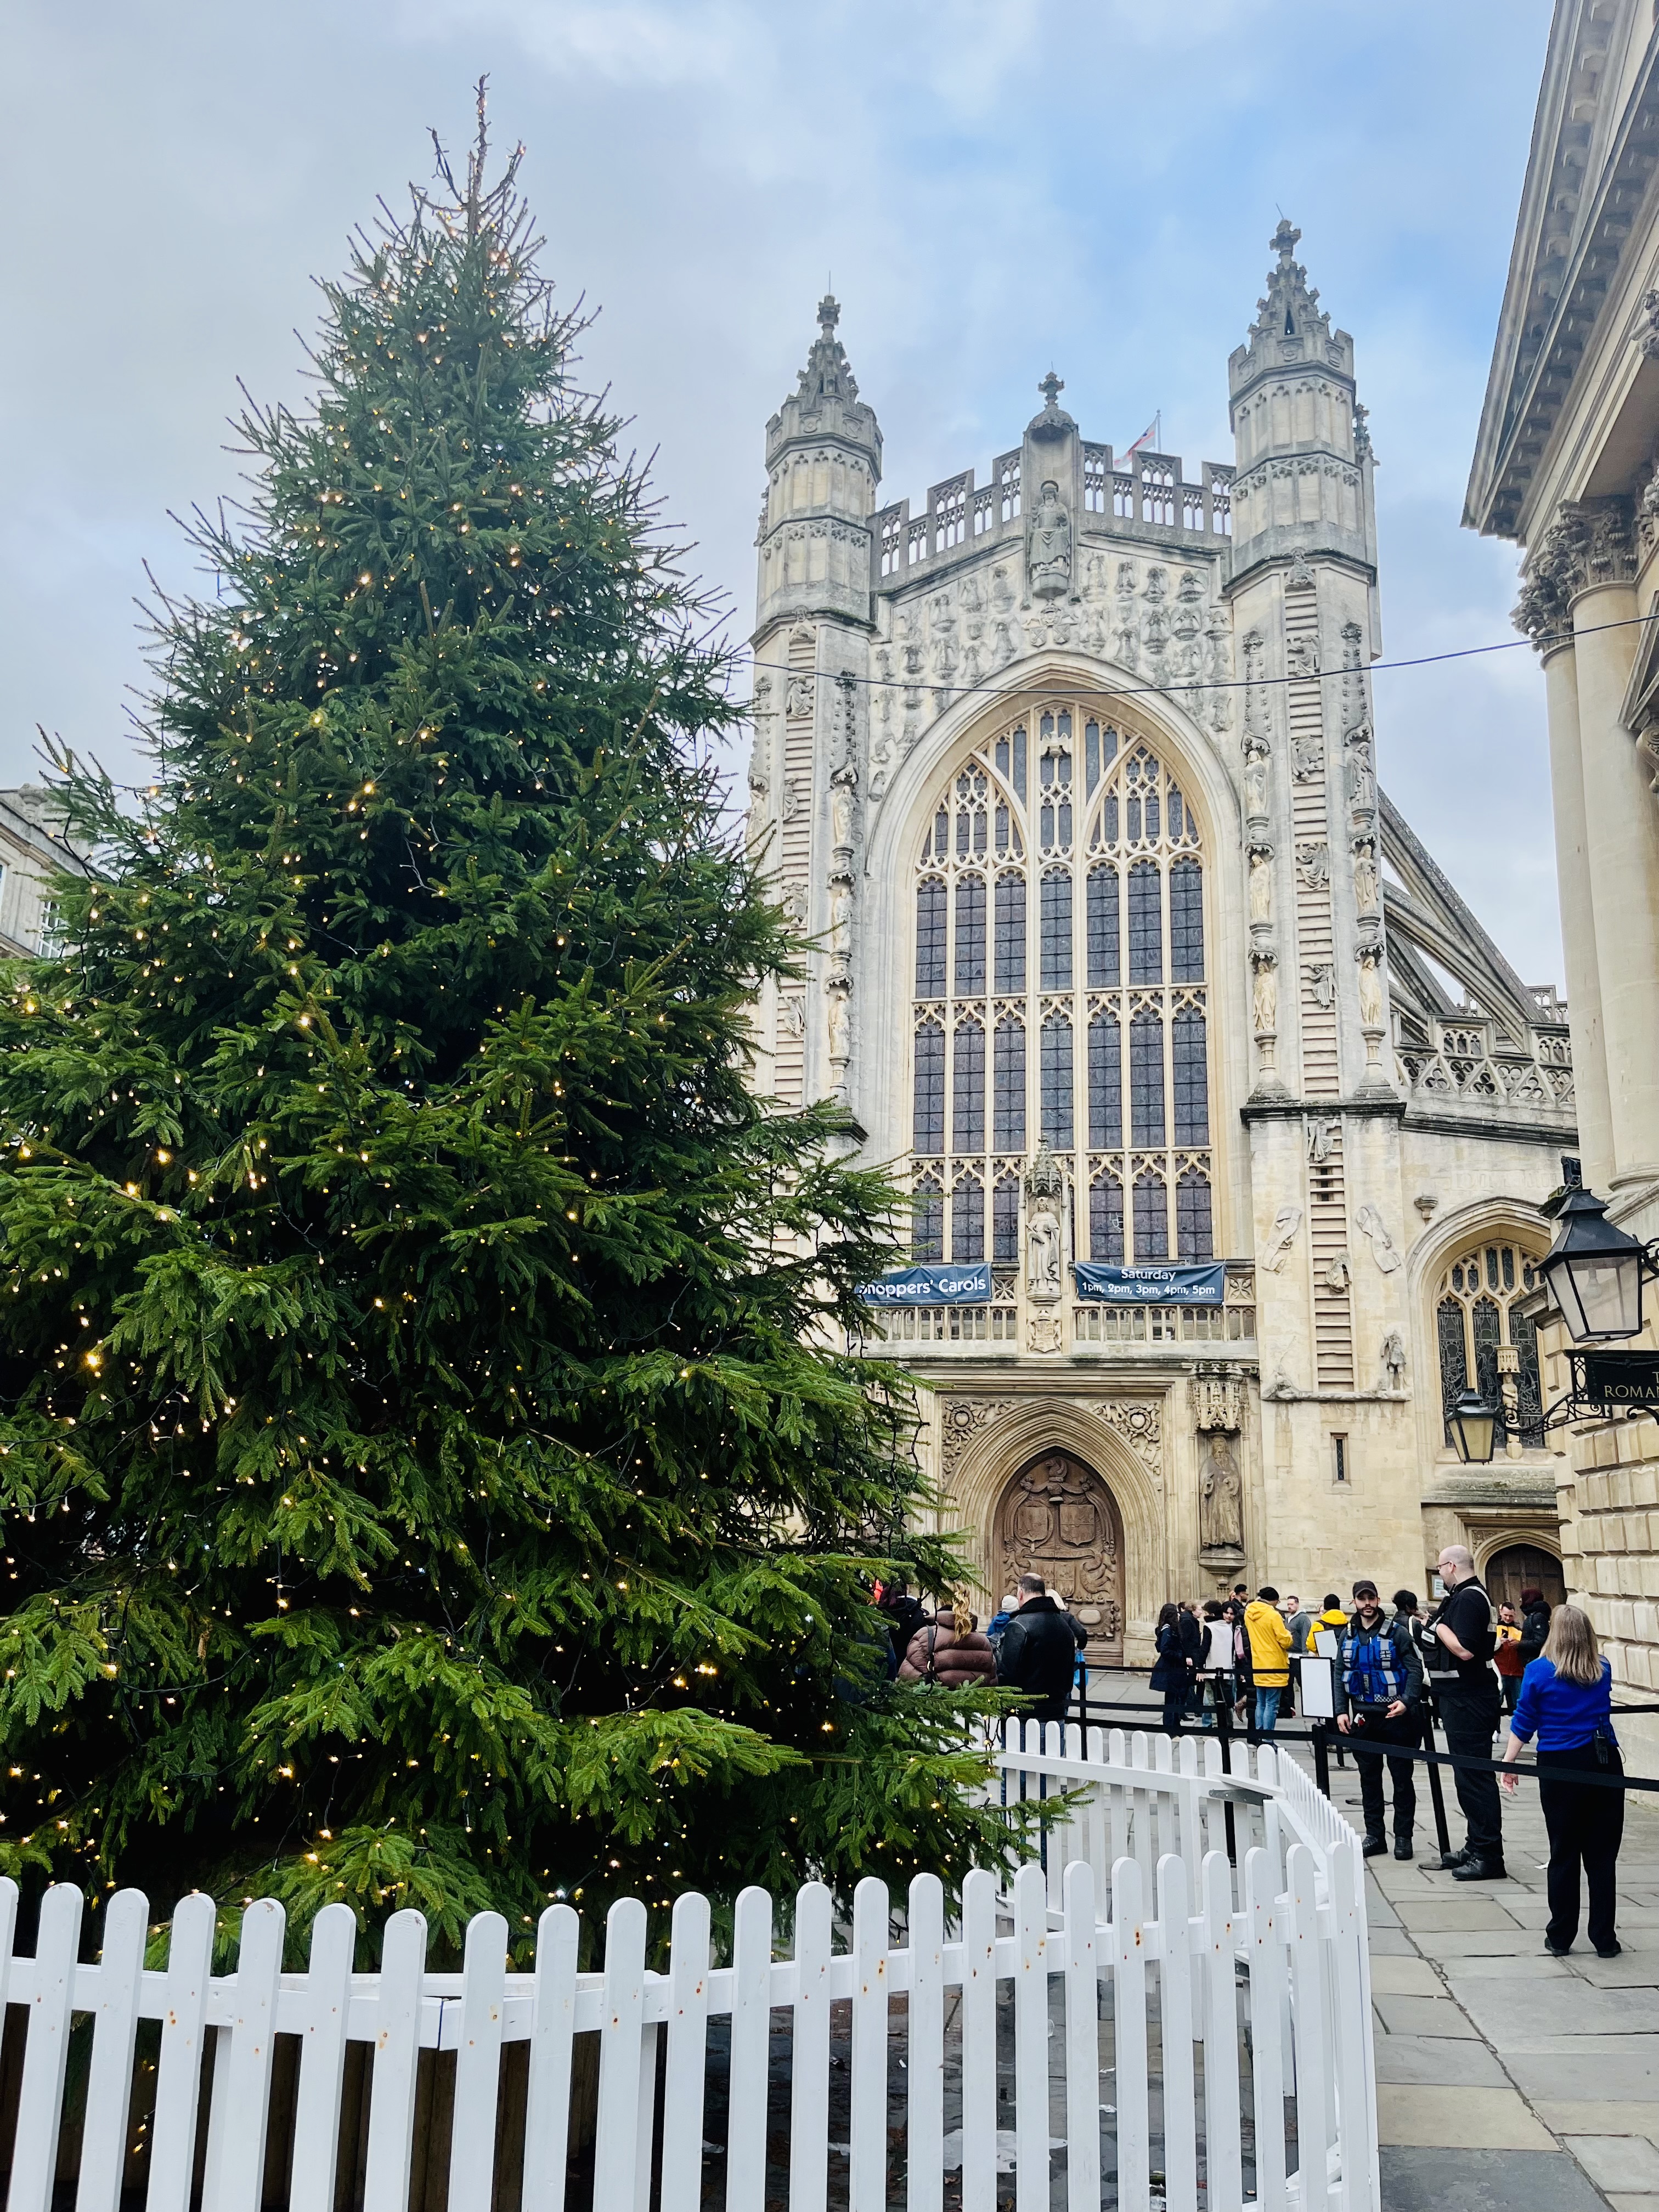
{"x": 1125, "y": 956}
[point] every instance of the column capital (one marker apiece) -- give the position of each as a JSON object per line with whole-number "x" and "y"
{"x": 1603, "y": 532}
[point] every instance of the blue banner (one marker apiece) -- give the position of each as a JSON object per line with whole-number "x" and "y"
{"x": 931, "y": 1286}
{"x": 1201, "y": 1284}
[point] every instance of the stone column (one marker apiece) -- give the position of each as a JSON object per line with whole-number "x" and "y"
{"x": 1621, "y": 838}
{"x": 1589, "y": 1067}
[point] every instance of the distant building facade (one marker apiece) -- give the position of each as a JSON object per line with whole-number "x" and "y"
{"x": 31, "y": 852}
{"x": 1567, "y": 465}
{"x": 1128, "y": 960}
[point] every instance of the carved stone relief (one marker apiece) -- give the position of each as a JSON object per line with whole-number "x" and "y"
{"x": 1392, "y": 1361}
{"x": 960, "y": 1420}
{"x": 1057, "y": 1520}
{"x": 1286, "y": 1221}
{"x": 1369, "y": 1223}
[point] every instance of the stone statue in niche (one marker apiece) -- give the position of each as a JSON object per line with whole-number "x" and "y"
{"x": 1049, "y": 547}
{"x": 794, "y": 1015}
{"x": 1364, "y": 875}
{"x": 1261, "y": 882}
{"x": 1221, "y": 1497}
{"x": 798, "y": 696}
{"x": 1286, "y": 1221}
{"x": 788, "y": 803}
{"x": 1319, "y": 1140}
{"x": 1301, "y": 658}
{"x": 1255, "y": 779}
{"x": 840, "y": 1026}
{"x": 1360, "y": 777}
{"x": 1370, "y": 1226}
{"x": 1042, "y": 1256}
{"x": 843, "y": 786}
{"x": 1307, "y": 757}
{"x": 1313, "y": 865}
{"x": 1371, "y": 987}
{"x": 840, "y": 923}
{"x": 1394, "y": 1361}
{"x": 793, "y": 903}
{"x": 1264, "y": 993}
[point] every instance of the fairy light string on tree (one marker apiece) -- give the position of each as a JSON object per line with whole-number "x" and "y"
{"x": 426, "y": 1481}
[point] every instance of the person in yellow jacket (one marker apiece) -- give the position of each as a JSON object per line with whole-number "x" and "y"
{"x": 1270, "y": 1656}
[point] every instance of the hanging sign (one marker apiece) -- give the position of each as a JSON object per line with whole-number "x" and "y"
{"x": 931, "y": 1286}
{"x": 1616, "y": 1379}
{"x": 1189, "y": 1284}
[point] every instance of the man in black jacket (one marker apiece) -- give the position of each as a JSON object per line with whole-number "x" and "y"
{"x": 1459, "y": 1644}
{"x": 1038, "y": 1652}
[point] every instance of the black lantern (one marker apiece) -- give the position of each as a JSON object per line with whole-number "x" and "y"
{"x": 1474, "y": 1425}
{"x": 1595, "y": 1272}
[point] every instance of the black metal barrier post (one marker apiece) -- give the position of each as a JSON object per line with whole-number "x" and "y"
{"x": 1438, "y": 1796}
{"x": 1322, "y": 1752}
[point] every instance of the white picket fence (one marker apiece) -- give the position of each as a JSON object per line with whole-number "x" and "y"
{"x": 1086, "y": 2022}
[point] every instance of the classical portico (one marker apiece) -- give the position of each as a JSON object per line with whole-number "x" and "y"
{"x": 1072, "y": 775}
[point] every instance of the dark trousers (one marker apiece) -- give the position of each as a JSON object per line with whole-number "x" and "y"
{"x": 1365, "y": 1744}
{"x": 1468, "y": 1714}
{"x": 1587, "y": 1825}
{"x": 1174, "y": 1703}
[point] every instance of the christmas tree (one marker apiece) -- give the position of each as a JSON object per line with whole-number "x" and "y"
{"x": 428, "y": 1477}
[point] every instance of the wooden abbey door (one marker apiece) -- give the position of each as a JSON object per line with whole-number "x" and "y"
{"x": 1520, "y": 1567}
{"x": 1057, "y": 1519}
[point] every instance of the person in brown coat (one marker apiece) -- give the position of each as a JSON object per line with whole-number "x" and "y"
{"x": 955, "y": 1660}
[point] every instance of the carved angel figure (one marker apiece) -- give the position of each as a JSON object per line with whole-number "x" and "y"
{"x": 1370, "y": 1225}
{"x": 1286, "y": 1221}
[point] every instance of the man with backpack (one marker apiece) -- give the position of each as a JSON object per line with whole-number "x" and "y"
{"x": 1380, "y": 1674}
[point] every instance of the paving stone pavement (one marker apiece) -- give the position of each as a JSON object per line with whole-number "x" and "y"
{"x": 1507, "y": 2080}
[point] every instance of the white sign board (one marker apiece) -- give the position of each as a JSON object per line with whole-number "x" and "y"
{"x": 1218, "y": 1657}
{"x": 1318, "y": 1688}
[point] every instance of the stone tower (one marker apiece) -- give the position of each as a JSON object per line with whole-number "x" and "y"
{"x": 810, "y": 644}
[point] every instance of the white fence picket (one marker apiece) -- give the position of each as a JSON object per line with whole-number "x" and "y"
{"x": 979, "y": 2041}
{"x": 547, "y": 2097}
{"x": 45, "y": 2054}
{"x": 616, "y": 2152}
{"x": 114, "y": 2038}
{"x": 925, "y": 2047}
{"x": 397, "y": 2049}
{"x": 1295, "y": 1924}
{"x": 322, "y": 2056}
{"x": 477, "y": 2066}
{"x": 751, "y": 2027}
{"x": 688, "y": 2043}
{"x": 178, "y": 2073}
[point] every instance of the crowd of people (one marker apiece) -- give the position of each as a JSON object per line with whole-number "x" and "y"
{"x": 1396, "y": 1672}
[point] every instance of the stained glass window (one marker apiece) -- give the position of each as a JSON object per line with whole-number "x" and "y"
{"x": 968, "y": 1088}
{"x": 1056, "y": 1081}
{"x": 1475, "y": 1318}
{"x": 927, "y": 1236}
{"x": 994, "y": 922}
{"x": 1008, "y": 1085}
{"x": 1010, "y": 934}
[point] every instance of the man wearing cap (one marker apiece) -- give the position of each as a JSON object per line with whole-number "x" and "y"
{"x": 1381, "y": 1677}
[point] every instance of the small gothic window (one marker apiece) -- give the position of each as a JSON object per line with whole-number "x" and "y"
{"x": 1146, "y": 1081}
{"x": 971, "y": 936}
{"x": 927, "y": 1236}
{"x": 1190, "y": 1056}
{"x": 1005, "y": 1219}
{"x": 1056, "y": 932}
{"x": 967, "y": 1222}
{"x": 1103, "y": 928}
{"x": 1106, "y": 1221}
{"x": 1008, "y": 1082}
{"x": 1194, "y": 1238}
{"x": 1105, "y": 1084}
{"x": 1010, "y": 934}
{"x": 1152, "y": 1216}
{"x": 1146, "y": 923}
{"x": 930, "y": 939}
{"x": 1476, "y": 1324}
{"x": 1186, "y": 922}
{"x": 929, "y": 1118}
{"x": 968, "y": 1088}
{"x": 1056, "y": 1081}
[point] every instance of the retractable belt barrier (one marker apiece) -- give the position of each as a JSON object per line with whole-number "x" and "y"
{"x": 1331, "y": 1738}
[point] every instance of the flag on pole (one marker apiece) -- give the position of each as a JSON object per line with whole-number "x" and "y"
{"x": 1152, "y": 426}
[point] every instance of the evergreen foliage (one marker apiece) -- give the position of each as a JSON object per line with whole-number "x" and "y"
{"x": 426, "y": 1481}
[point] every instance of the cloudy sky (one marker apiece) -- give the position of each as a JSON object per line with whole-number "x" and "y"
{"x": 994, "y": 184}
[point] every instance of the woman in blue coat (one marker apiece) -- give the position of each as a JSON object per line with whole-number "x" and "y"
{"x": 1173, "y": 1674}
{"x": 1566, "y": 1701}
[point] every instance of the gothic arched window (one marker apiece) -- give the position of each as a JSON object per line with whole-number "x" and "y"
{"x": 1484, "y": 1343}
{"x": 1061, "y": 944}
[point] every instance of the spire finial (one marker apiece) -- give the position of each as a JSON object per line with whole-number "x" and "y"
{"x": 1051, "y": 387}
{"x": 1285, "y": 239}
{"x": 829, "y": 314}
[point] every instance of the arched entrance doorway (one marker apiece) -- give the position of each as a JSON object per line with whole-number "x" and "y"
{"x": 1058, "y": 1519}
{"x": 1523, "y": 1566}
